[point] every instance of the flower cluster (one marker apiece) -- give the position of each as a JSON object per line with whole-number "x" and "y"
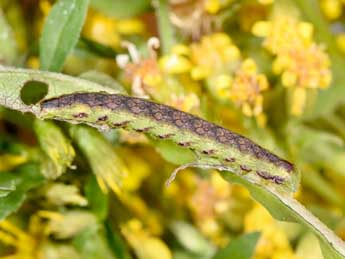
{"x": 217, "y": 60}
{"x": 301, "y": 62}
{"x": 109, "y": 31}
{"x": 273, "y": 239}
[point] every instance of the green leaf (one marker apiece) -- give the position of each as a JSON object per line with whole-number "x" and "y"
{"x": 96, "y": 148}
{"x": 115, "y": 242}
{"x": 61, "y": 32}
{"x": 92, "y": 244}
{"x": 307, "y": 247}
{"x": 309, "y": 141}
{"x": 285, "y": 208}
{"x": 14, "y": 81}
{"x": 173, "y": 153}
{"x": 8, "y": 50}
{"x": 103, "y": 79}
{"x": 280, "y": 204}
{"x": 166, "y": 30}
{"x": 98, "y": 200}
{"x": 192, "y": 239}
{"x": 120, "y": 8}
{"x": 56, "y": 146}
{"x": 242, "y": 247}
{"x": 16, "y": 184}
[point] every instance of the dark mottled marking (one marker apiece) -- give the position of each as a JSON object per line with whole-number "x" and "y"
{"x": 230, "y": 159}
{"x": 169, "y": 115}
{"x": 121, "y": 124}
{"x": 245, "y": 168}
{"x": 275, "y": 178}
{"x": 80, "y": 115}
{"x": 184, "y": 144}
{"x": 278, "y": 180}
{"x": 143, "y": 129}
{"x": 265, "y": 175}
{"x": 103, "y": 118}
{"x": 208, "y": 152}
{"x": 165, "y": 136}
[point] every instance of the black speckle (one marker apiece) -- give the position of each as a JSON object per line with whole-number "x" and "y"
{"x": 121, "y": 124}
{"x": 278, "y": 179}
{"x": 265, "y": 175}
{"x": 143, "y": 129}
{"x": 103, "y": 118}
{"x": 165, "y": 136}
{"x": 80, "y": 115}
{"x": 230, "y": 159}
{"x": 245, "y": 168}
{"x": 184, "y": 144}
{"x": 275, "y": 178}
{"x": 208, "y": 152}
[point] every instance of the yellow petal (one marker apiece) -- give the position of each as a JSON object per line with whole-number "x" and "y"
{"x": 181, "y": 49}
{"x": 199, "y": 73}
{"x": 130, "y": 26}
{"x": 299, "y": 97}
{"x": 262, "y": 28}
{"x": 247, "y": 110}
{"x": 289, "y": 79}
{"x": 305, "y": 29}
{"x": 212, "y": 6}
{"x": 175, "y": 64}
{"x": 331, "y": 8}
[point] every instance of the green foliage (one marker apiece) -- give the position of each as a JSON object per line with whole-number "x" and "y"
{"x": 71, "y": 191}
{"x": 98, "y": 201}
{"x": 61, "y": 32}
{"x": 121, "y": 9}
{"x": 240, "y": 248}
{"x": 57, "y": 148}
{"x": 15, "y": 186}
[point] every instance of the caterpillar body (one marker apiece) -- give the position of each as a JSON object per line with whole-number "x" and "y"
{"x": 209, "y": 140}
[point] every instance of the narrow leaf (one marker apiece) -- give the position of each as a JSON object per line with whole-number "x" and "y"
{"x": 98, "y": 200}
{"x": 8, "y": 50}
{"x": 240, "y": 248}
{"x": 61, "y": 32}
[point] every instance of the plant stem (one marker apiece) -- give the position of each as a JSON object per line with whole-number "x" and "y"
{"x": 166, "y": 32}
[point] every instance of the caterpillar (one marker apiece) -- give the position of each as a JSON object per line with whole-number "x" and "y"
{"x": 206, "y": 139}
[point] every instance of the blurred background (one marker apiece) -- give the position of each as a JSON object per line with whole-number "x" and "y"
{"x": 271, "y": 70}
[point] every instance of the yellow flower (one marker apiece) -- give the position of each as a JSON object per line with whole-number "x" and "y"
{"x": 144, "y": 245}
{"x": 301, "y": 62}
{"x": 273, "y": 242}
{"x": 212, "y": 6}
{"x": 214, "y": 53}
{"x": 10, "y": 161}
{"x": 24, "y": 244}
{"x": 187, "y": 103}
{"x": 247, "y": 87}
{"x": 304, "y": 67}
{"x": 144, "y": 73}
{"x": 341, "y": 42}
{"x": 283, "y": 33}
{"x": 265, "y": 2}
{"x": 332, "y": 8}
{"x": 108, "y": 31}
{"x": 174, "y": 64}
